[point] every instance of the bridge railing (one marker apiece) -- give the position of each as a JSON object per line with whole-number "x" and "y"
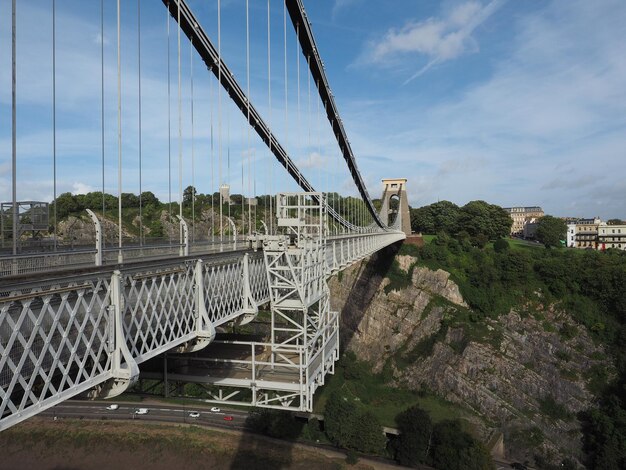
{"x": 344, "y": 250}
{"x": 72, "y": 259}
{"x": 61, "y": 339}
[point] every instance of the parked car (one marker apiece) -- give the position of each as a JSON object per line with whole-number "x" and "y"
{"x": 228, "y": 418}
{"x": 113, "y": 407}
{"x": 141, "y": 411}
{"x": 194, "y": 414}
{"x": 215, "y": 409}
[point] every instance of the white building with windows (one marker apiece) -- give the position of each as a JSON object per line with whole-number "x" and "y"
{"x": 571, "y": 235}
{"x": 611, "y": 236}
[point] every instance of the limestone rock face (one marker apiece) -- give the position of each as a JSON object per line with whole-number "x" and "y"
{"x": 520, "y": 372}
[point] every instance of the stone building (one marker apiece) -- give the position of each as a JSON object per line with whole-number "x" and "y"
{"x": 522, "y": 216}
{"x": 586, "y": 234}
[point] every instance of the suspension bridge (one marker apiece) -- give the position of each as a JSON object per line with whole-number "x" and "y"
{"x": 81, "y": 319}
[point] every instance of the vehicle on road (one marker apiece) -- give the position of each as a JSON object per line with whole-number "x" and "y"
{"x": 228, "y": 418}
{"x": 141, "y": 411}
{"x": 215, "y": 409}
{"x": 194, "y": 414}
{"x": 113, "y": 407}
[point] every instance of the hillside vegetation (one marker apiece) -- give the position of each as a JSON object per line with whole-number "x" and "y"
{"x": 588, "y": 285}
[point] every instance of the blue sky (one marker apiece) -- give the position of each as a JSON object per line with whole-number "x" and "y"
{"x": 516, "y": 103}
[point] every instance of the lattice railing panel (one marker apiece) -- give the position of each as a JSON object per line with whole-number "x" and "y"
{"x": 258, "y": 280}
{"x": 223, "y": 290}
{"x": 53, "y": 344}
{"x": 158, "y": 310}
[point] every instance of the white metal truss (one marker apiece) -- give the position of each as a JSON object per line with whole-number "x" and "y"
{"x": 304, "y": 330}
{"x": 285, "y": 372}
{"x": 304, "y": 344}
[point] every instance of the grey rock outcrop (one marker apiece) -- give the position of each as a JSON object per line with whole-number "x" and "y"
{"x": 520, "y": 373}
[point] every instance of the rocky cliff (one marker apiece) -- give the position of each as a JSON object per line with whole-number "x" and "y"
{"x": 526, "y": 373}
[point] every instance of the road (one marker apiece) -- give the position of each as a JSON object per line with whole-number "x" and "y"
{"x": 156, "y": 412}
{"x": 178, "y": 414}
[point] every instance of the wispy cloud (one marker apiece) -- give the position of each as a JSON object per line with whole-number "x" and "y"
{"x": 82, "y": 188}
{"x": 437, "y": 39}
{"x": 340, "y": 5}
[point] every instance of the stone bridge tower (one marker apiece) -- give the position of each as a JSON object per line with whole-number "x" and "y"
{"x": 396, "y": 188}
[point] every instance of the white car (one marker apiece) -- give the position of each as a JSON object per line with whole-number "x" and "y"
{"x": 113, "y": 407}
{"x": 141, "y": 411}
{"x": 194, "y": 414}
{"x": 215, "y": 409}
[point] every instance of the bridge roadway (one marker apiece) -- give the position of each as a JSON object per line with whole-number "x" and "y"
{"x": 68, "y": 332}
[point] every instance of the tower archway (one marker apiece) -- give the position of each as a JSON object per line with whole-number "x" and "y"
{"x": 395, "y": 203}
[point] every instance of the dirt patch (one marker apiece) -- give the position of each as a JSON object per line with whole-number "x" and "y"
{"x": 104, "y": 445}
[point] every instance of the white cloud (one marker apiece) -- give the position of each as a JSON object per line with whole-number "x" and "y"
{"x": 81, "y": 188}
{"x": 438, "y": 39}
{"x": 314, "y": 160}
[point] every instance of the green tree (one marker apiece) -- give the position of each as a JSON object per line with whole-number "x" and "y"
{"x": 340, "y": 420}
{"x": 350, "y": 426}
{"x": 440, "y": 216}
{"x": 149, "y": 199}
{"x": 130, "y": 200}
{"x": 605, "y": 436}
{"x": 66, "y": 204}
{"x": 500, "y": 245}
{"x": 368, "y": 435}
{"x": 422, "y": 220}
{"x": 455, "y": 449}
{"x": 479, "y": 218}
{"x": 413, "y": 443}
{"x": 614, "y": 222}
{"x": 156, "y": 229}
{"x": 551, "y": 230}
{"x": 188, "y": 194}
